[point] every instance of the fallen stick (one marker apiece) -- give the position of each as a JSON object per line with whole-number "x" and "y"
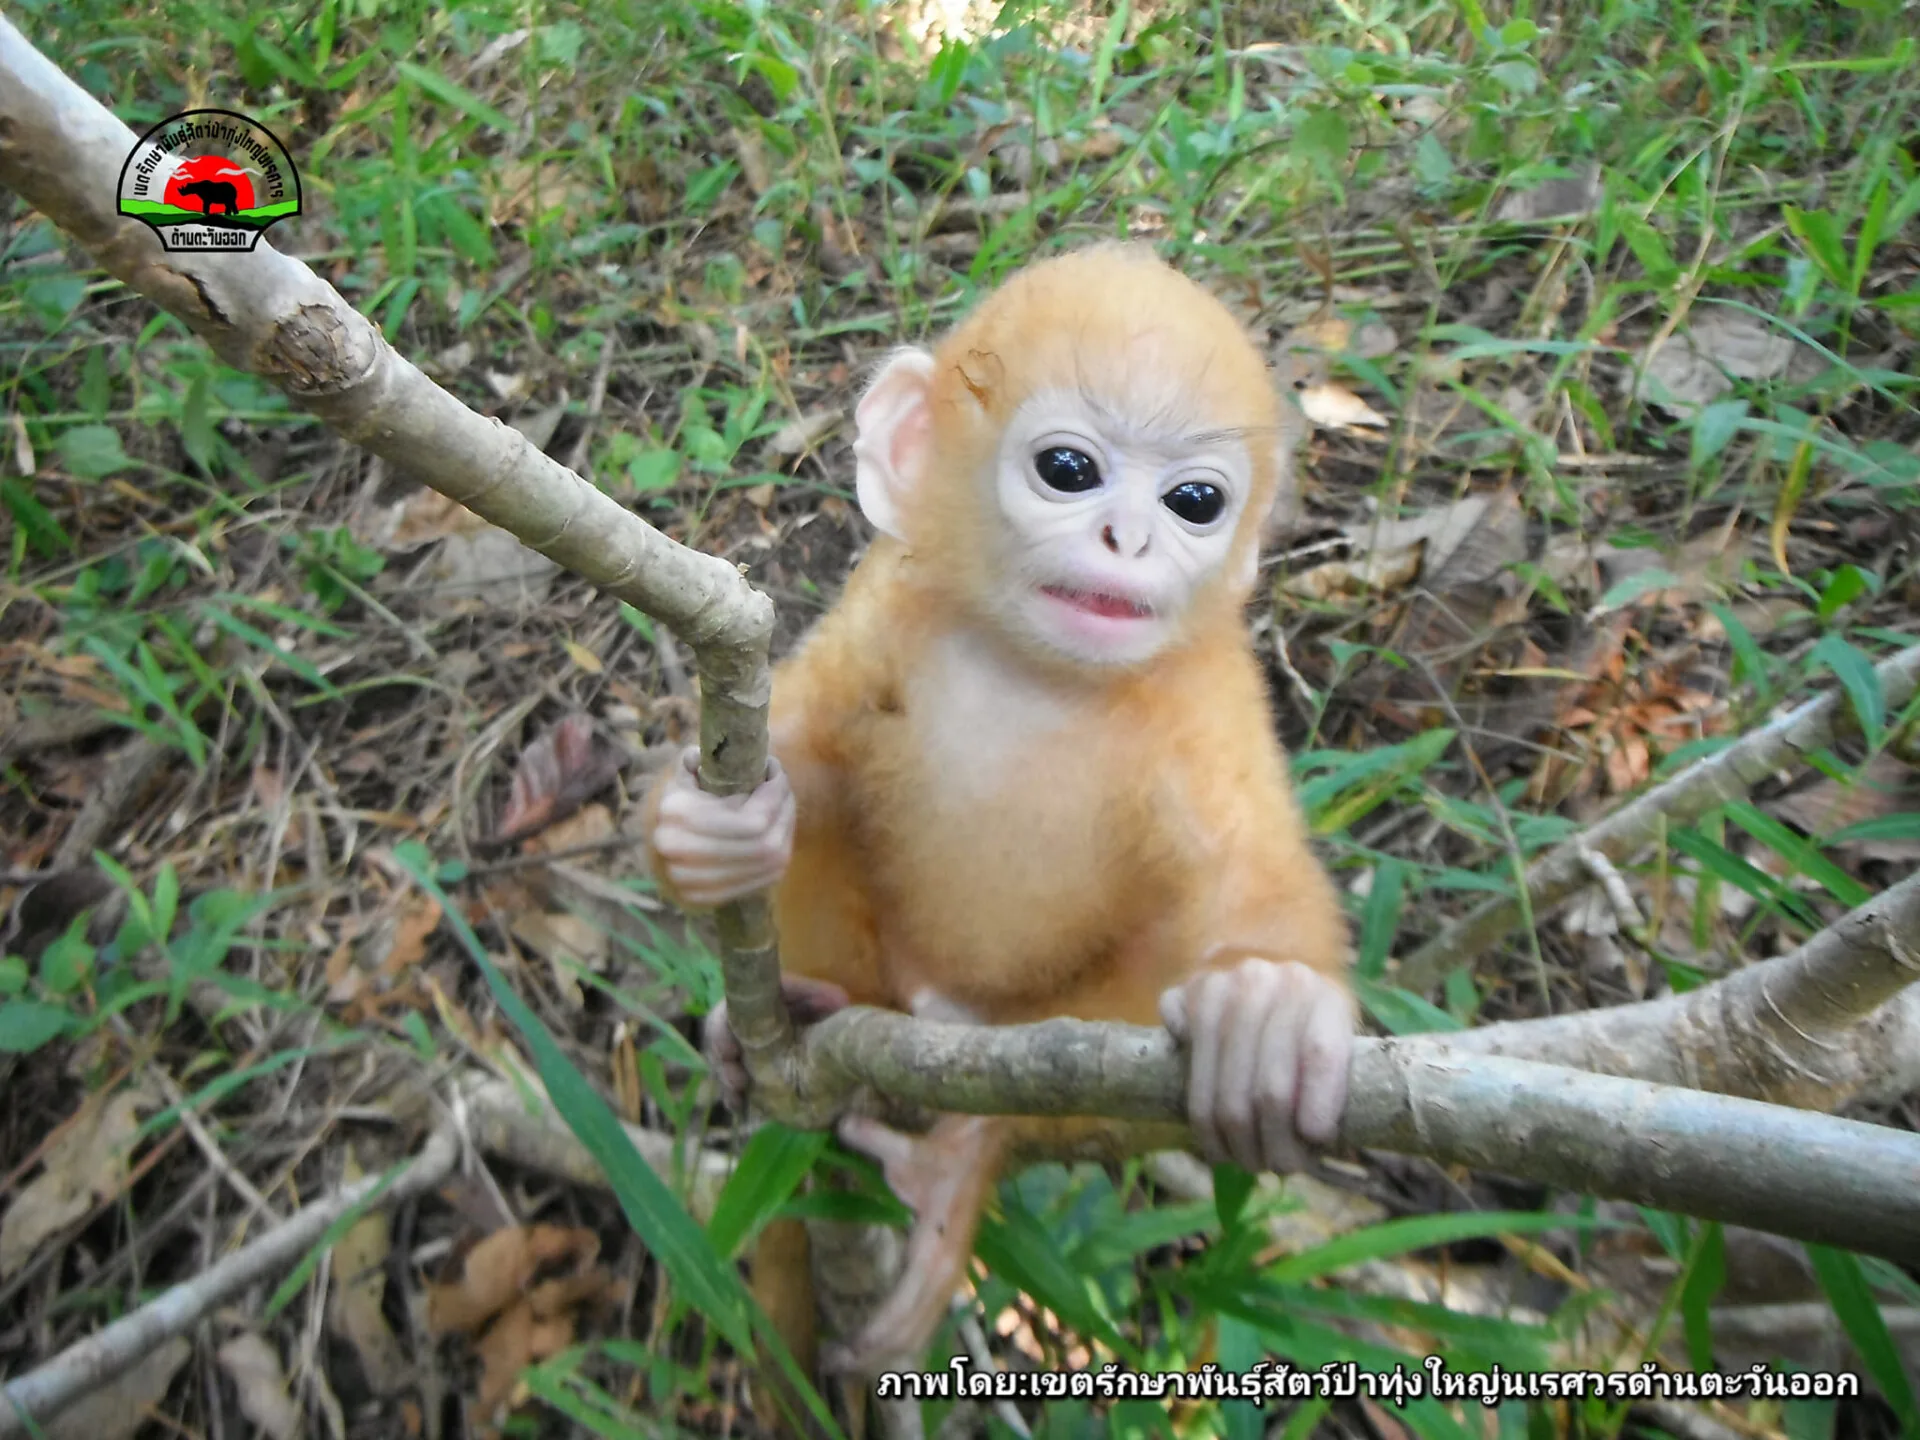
{"x": 1564, "y": 870}
{"x": 110, "y": 1352}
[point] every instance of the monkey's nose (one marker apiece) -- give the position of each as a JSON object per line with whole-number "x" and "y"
{"x": 1134, "y": 543}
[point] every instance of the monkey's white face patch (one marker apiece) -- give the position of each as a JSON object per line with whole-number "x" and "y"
{"x": 1113, "y": 523}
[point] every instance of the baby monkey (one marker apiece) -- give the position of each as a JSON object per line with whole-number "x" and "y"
{"x": 1025, "y": 766}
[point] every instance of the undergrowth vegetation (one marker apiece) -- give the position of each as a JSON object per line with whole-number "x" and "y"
{"x": 1604, "y": 316}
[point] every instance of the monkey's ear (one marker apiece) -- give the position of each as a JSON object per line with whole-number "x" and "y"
{"x": 892, "y": 428}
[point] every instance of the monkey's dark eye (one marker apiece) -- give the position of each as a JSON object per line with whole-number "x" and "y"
{"x": 1064, "y": 469}
{"x": 1196, "y": 502}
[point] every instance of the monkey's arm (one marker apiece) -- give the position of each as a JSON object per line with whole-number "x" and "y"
{"x": 1268, "y": 1019}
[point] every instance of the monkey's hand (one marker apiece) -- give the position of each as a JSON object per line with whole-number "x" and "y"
{"x": 943, "y": 1176}
{"x": 807, "y": 1001}
{"x": 713, "y": 848}
{"x": 1268, "y": 1046}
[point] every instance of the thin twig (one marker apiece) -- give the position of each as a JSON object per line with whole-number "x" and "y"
{"x": 109, "y": 1353}
{"x": 1726, "y": 776}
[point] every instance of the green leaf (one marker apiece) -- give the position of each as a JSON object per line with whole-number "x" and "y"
{"x": 68, "y": 961}
{"x": 1805, "y": 858}
{"x": 1750, "y": 662}
{"x": 1380, "y": 920}
{"x": 52, "y": 298}
{"x": 13, "y": 975}
{"x": 458, "y": 96}
{"x": 1881, "y": 827}
{"x": 653, "y": 469}
{"x": 1629, "y": 588}
{"x": 26, "y": 1025}
{"x": 1713, "y": 426}
{"x": 1846, "y": 1287}
{"x": 1320, "y": 136}
{"x": 1231, "y": 1188}
{"x": 36, "y": 522}
{"x": 92, "y": 452}
{"x": 1825, "y": 242}
{"x": 1417, "y": 1232}
{"x": 770, "y": 1169}
{"x": 1859, "y": 679}
{"x": 1847, "y": 584}
{"x": 1431, "y": 163}
{"x": 1401, "y": 1012}
{"x": 1706, "y": 1273}
{"x": 1718, "y": 860}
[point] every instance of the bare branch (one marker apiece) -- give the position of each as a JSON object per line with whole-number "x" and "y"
{"x": 1565, "y": 869}
{"x": 267, "y": 313}
{"x": 117, "y": 1348}
{"x": 1826, "y": 1026}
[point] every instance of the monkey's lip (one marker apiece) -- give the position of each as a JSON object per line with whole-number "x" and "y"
{"x": 1107, "y": 604}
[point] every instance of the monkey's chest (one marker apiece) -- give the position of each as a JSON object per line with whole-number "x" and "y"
{"x": 998, "y": 833}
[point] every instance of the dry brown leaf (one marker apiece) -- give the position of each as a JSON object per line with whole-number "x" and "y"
{"x": 419, "y": 917}
{"x": 798, "y": 436}
{"x": 557, "y": 772}
{"x": 1334, "y": 407}
{"x": 118, "y": 1409}
{"x": 1699, "y": 364}
{"x": 359, "y": 1289}
{"x": 1885, "y": 786}
{"x": 498, "y": 1270}
{"x": 85, "y": 1166}
{"x": 427, "y": 515}
{"x": 589, "y": 825}
{"x": 23, "y": 457}
{"x": 562, "y": 939}
{"x": 491, "y": 570}
{"x": 583, "y": 657}
{"x": 1568, "y": 197}
{"x": 261, "y": 1384}
{"x": 518, "y": 1340}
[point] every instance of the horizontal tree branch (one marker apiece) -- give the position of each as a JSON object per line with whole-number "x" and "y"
{"x": 1823, "y": 1027}
{"x": 1797, "y": 1173}
{"x": 1564, "y": 871}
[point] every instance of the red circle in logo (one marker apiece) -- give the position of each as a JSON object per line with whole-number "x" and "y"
{"x": 210, "y": 176}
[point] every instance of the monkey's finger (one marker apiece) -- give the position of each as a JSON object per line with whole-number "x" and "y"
{"x": 1276, "y": 1088}
{"x": 1326, "y": 1051}
{"x": 1257, "y": 992}
{"x": 1173, "y": 1012}
{"x": 1206, "y": 1002}
{"x": 706, "y": 888}
{"x": 684, "y": 845}
{"x": 718, "y": 816}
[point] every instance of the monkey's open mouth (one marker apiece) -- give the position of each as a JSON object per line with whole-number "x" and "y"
{"x": 1099, "y": 602}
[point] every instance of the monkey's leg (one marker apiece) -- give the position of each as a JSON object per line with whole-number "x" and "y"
{"x": 944, "y": 1177}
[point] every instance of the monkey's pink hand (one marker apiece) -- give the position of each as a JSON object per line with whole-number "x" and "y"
{"x": 943, "y": 1177}
{"x": 719, "y": 848}
{"x": 807, "y": 1001}
{"x": 1268, "y": 1045}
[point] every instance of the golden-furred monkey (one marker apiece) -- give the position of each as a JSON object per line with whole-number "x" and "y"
{"x": 1025, "y": 766}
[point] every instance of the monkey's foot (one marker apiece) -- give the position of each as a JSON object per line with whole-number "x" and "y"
{"x": 943, "y": 1177}
{"x": 807, "y": 1001}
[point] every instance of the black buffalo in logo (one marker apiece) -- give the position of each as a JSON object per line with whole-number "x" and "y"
{"x": 211, "y": 193}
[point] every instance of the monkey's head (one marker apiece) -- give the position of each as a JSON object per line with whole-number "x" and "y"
{"x": 1085, "y": 461}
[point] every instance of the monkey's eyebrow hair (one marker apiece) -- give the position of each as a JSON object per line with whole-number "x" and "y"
{"x": 1157, "y": 429}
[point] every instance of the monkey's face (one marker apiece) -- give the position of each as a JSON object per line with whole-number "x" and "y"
{"x": 1111, "y": 526}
